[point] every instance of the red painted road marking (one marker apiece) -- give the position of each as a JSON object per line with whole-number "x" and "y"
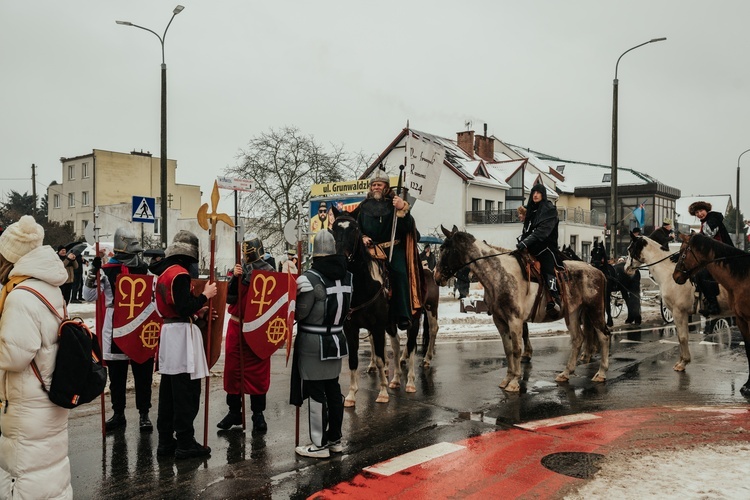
{"x": 507, "y": 463}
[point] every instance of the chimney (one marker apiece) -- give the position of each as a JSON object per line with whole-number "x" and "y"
{"x": 465, "y": 141}
{"x": 485, "y": 146}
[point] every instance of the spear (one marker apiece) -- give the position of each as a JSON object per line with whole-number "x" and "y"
{"x": 206, "y": 220}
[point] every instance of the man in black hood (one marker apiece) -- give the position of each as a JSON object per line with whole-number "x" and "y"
{"x": 539, "y": 237}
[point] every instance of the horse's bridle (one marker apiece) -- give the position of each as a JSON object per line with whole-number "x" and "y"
{"x": 452, "y": 272}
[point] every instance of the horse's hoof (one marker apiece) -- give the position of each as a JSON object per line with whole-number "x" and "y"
{"x": 598, "y": 378}
{"x": 679, "y": 367}
{"x": 562, "y": 378}
{"x": 504, "y": 384}
{"x": 513, "y": 387}
{"x": 410, "y": 388}
{"x": 394, "y": 385}
{"x": 525, "y": 359}
{"x": 382, "y": 399}
{"x": 348, "y": 403}
{"x": 372, "y": 369}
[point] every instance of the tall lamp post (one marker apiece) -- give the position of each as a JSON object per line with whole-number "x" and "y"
{"x": 737, "y": 207}
{"x": 613, "y": 177}
{"x": 163, "y": 159}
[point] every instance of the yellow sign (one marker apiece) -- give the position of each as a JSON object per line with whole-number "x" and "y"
{"x": 344, "y": 187}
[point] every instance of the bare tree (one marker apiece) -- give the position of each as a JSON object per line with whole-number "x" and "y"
{"x": 284, "y": 164}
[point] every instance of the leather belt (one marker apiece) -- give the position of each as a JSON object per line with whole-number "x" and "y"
{"x": 176, "y": 320}
{"x": 387, "y": 244}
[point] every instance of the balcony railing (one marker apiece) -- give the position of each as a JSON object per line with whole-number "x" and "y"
{"x": 573, "y": 215}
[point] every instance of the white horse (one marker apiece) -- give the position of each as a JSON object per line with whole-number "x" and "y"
{"x": 680, "y": 299}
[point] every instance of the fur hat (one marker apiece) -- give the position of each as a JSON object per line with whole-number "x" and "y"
{"x": 184, "y": 243}
{"x": 699, "y": 205}
{"x": 666, "y": 222}
{"x": 324, "y": 244}
{"x": 636, "y": 231}
{"x": 20, "y": 238}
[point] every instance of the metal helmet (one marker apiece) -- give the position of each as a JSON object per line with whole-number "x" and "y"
{"x": 324, "y": 244}
{"x": 126, "y": 241}
{"x": 380, "y": 176}
{"x": 252, "y": 249}
{"x": 184, "y": 243}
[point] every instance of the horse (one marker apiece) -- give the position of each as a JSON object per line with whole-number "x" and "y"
{"x": 645, "y": 252}
{"x": 369, "y": 311}
{"x": 730, "y": 267}
{"x": 430, "y": 300}
{"x": 618, "y": 280}
{"x": 511, "y": 298}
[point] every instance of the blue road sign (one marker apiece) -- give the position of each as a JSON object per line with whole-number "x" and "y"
{"x": 144, "y": 209}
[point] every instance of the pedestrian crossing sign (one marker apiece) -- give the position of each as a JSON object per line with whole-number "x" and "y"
{"x": 144, "y": 209}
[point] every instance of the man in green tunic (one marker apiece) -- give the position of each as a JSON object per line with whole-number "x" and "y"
{"x": 375, "y": 216}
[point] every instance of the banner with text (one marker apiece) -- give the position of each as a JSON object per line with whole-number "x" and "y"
{"x": 425, "y": 163}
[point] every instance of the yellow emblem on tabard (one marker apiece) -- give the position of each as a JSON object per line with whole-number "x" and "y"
{"x": 150, "y": 334}
{"x": 132, "y": 294}
{"x": 276, "y": 331}
{"x": 267, "y": 287}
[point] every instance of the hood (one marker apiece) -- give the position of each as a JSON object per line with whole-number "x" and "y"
{"x": 42, "y": 263}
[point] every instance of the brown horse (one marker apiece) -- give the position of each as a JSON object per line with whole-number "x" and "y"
{"x": 730, "y": 267}
{"x": 511, "y": 298}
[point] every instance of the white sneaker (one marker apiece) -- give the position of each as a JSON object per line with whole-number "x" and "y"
{"x": 336, "y": 446}
{"x": 313, "y": 451}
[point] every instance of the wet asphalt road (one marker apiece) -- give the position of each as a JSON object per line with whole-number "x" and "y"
{"x": 457, "y": 398}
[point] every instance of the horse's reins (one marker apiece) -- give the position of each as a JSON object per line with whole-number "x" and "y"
{"x": 472, "y": 261}
{"x": 645, "y": 266}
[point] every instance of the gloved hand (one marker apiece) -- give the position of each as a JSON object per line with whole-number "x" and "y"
{"x": 674, "y": 258}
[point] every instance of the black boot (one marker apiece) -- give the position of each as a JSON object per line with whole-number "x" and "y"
{"x": 234, "y": 417}
{"x": 166, "y": 448}
{"x": 145, "y": 423}
{"x": 115, "y": 422}
{"x": 259, "y": 423}
{"x": 191, "y": 450}
{"x": 710, "y": 306}
{"x": 553, "y": 306}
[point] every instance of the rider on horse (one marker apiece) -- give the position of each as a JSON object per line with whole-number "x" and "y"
{"x": 375, "y": 216}
{"x": 712, "y": 225}
{"x": 539, "y": 237}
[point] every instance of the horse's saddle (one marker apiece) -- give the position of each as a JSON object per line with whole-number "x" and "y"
{"x": 531, "y": 269}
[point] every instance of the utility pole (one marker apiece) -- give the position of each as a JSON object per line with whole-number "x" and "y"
{"x": 33, "y": 187}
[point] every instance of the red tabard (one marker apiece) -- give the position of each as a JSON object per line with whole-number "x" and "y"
{"x": 257, "y": 372}
{"x": 164, "y": 295}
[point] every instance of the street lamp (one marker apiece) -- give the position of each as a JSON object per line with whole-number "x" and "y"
{"x": 737, "y": 207}
{"x": 163, "y": 227}
{"x": 613, "y": 177}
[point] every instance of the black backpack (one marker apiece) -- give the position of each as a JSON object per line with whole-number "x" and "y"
{"x": 79, "y": 376}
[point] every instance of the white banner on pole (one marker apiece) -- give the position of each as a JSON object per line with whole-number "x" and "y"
{"x": 425, "y": 163}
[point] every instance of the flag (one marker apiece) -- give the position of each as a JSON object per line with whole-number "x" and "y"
{"x": 640, "y": 214}
{"x": 425, "y": 163}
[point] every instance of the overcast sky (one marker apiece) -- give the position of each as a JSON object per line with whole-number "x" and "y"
{"x": 539, "y": 73}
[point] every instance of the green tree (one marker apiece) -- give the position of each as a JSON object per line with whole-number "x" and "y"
{"x": 283, "y": 164}
{"x": 730, "y": 222}
{"x": 18, "y": 205}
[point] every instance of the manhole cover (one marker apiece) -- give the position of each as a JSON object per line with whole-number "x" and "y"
{"x": 573, "y": 463}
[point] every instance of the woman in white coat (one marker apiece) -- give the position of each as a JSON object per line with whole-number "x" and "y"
{"x": 34, "y": 442}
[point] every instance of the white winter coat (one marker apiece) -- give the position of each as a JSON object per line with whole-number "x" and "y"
{"x": 34, "y": 443}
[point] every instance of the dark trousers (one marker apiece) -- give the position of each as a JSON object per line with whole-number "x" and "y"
{"x": 706, "y": 284}
{"x": 257, "y": 403}
{"x": 328, "y": 392}
{"x": 66, "y": 289}
{"x": 118, "y": 377}
{"x": 179, "y": 402}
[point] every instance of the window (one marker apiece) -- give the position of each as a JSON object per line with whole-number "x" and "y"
{"x": 71, "y": 172}
{"x": 475, "y": 204}
{"x": 607, "y": 178}
{"x": 56, "y": 201}
{"x": 85, "y": 198}
{"x": 84, "y": 170}
{"x": 489, "y": 205}
{"x": 573, "y": 241}
{"x": 71, "y": 200}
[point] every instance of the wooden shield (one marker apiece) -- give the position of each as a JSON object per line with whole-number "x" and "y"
{"x": 219, "y": 304}
{"x": 268, "y": 317}
{"x": 135, "y": 323}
